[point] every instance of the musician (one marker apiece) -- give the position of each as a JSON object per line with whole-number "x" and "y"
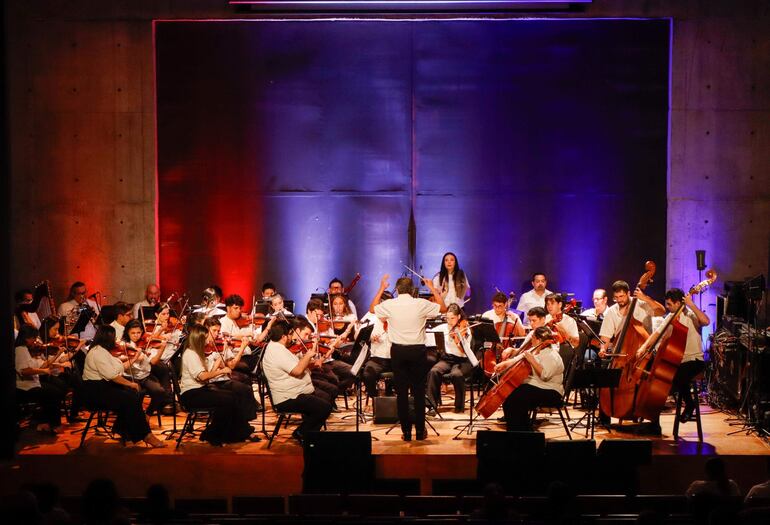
{"x": 291, "y": 387}
{"x": 105, "y": 387}
{"x": 268, "y": 290}
{"x": 256, "y": 334}
{"x": 65, "y": 375}
{"x": 454, "y": 360}
{"x": 336, "y": 287}
{"x": 151, "y": 299}
{"x": 692, "y": 364}
{"x": 122, "y": 316}
{"x": 25, "y": 296}
{"x": 228, "y": 423}
{"x": 567, "y": 326}
{"x": 325, "y": 382}
{"x": 536, "y": 296}
{"x": 452, "y": 281}
{"x": 498, "y": 313}
{"x": 247, "y": 403}
{"x": 340, "y": 369}
{"x": 277, "y": 305}
{"x": 29, "y": 388}
{"x": 211, "y": 304}
{"x": 600, "y": 305}
{"x": 615, "y": 315}
{"x": 406, "y": 317}
{"x": 140, "y": 370}
{"x": 379, "y": 350}
{"x": 536, "y": 317}
{"x": 543, "y": 387}
{"x": 77, "y": 299}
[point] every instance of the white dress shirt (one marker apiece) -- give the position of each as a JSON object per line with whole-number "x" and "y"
{"x": 25, "y": 360}
{"x": 552, "y": 377}
{"x": 406, "y": 318}
{"x": 613, "y": 321}
{"x": 101, "y": 365}
{"x": 381, "y": 347}
{"x": 567, "y": 324}
{"x": 119, "y": 329}
{"x": 192, "y": 367}
{"x": 65, "y": 308}
{"x": 529, "y": 300}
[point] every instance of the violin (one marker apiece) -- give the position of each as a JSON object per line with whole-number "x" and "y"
{"x": 323, "y": 324}
{"x": 459, "y": 330}
{"x": 121, "y": 349}
{"x": 556, "y": 319}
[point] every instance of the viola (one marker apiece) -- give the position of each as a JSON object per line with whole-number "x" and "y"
{"x": 557, "y": 319}
{"x": 257, "y": 320}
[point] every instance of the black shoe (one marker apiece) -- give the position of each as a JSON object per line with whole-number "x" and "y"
{"x": 254, "y": 438}
{"x": 298, "y": 436}
{"x": 687, "y": 415}
{"x": 422, "y": 435}
{"x": 75, "y": 419}
{"x": 431, "y": 412}
{"x": 406, "y": 436}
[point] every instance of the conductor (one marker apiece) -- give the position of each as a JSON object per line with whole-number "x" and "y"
{"x": 406, "y": 316}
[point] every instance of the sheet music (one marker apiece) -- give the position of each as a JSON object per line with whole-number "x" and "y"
{"x": 360, "y": 359}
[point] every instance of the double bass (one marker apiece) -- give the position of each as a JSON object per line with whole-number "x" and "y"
{"x": 657, "y": 365}
{"x": 619, "y": 402}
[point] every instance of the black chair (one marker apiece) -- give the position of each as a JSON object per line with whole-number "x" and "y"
{"x": 188, "y": 427}
{"x": 569, "y": 357}
{"x": 283, "y": 416}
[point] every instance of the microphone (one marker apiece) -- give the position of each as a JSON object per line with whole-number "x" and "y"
{"x": 170, "y": 297}
{"x": 93, "y": 295}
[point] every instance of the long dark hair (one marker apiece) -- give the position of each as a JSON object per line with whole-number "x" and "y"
{"x": 196, "y": 341}
{"x": 105, "y": 337}
{"x": 458, "y": 276}
{"x": 133, "y": 323}
{"x": 25, "y": 332}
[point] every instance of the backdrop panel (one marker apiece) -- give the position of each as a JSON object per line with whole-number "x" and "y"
{"x": 296, "y": 151}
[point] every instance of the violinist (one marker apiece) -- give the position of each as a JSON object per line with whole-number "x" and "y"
{"x": 615, "y": 315}
{"x": 536, "y": 296}
{"x": 536, "y": 318}
{"x": 452, "y": 281}
{"x": 122, "y": 316}
{"x": 29, "y": 388}
{"x": 340, "y": 369}
{"x": 543, "y": 387}
{"x": 325, "y": 382}
{"x": 692, "y": 362}
{"x": 498, "y": 313}
{"x": 61, "y": 354}
{"x": 268, "y": 290}
{"x": 379, "y": 350}
{"x": 291, "y": 386}
{"x": 104, "y": 387}
{"x": 255, "y": 334}
{"x": 151, "y": 299}
{"x": 228, "y": 424}
{"x": 167, "y": 332}
{"x": 77, "y": 300}
{"x": 211, "y": 302}
{"x": 563, "y": 324}
{"x": 140, "y": 370}
{"x": 336, "y": 287}
{"x": 453, "y": 361}
{"x": 216, "y": 359}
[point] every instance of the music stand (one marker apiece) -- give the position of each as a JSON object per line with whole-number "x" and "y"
{"x": 591, "y": 380}
{"x": 482, "y": 333}
{"x": 361, "y": 345}
{"x": 288, "y": 304}
{"x": 83, "y": 319}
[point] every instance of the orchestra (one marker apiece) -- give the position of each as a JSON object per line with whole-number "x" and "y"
{"x": 226, "y": 349}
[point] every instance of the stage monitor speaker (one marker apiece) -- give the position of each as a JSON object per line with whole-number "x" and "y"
{"x": 338, "y": 462}
{"x": 512, "y": 459}
{"x": 626, "y": 451}
{"x": 571, "y": 461}
{"x": 700, "y": 259}
{"x": 385, "y": 410}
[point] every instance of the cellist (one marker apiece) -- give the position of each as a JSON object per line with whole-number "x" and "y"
{"x": 498, "y": 313}
{"x": 614, "y": 316}
{"x": 544, "y": 386}
{"x": 692, "y": 364}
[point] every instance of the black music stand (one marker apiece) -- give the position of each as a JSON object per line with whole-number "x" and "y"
{"x": 361, "y": 351}
{"x": 591, "y": 380}
{"x": 482, "y": 333}
{"x": 83, "y": 319}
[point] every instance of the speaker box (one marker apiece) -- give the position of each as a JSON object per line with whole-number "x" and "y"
{"x": 338, "y": 462}
{"x": 511, "y": 459}
{"x": 618, "y": 462}
{"x": 385, "y": 410}
{"x": 626, "y": 451}
{"x": 571, "y": 461}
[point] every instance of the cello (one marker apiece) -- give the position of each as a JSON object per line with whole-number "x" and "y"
{"x": 509, "y": 381}
{"x": 619, "y": 402}
{"x": 505, "y": 332}
{"x": 657, "y": 365}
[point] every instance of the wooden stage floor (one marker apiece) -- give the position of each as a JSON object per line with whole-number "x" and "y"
{"x": 253, "y": 469}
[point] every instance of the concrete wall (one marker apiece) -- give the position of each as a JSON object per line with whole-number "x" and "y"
{"x": 83, "y": 151}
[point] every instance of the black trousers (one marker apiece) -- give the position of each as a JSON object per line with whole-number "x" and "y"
{"x": 343, "y": 373}
{"x": 158, "y": 396}
{"x": 131, "y": 423}
{"x": 373, "y": 369}
{"x": 458, "y": 370}
{"x": 68, "y": 380}
{"x": 162, "y": 373}
{"x": 517, "y": 406}
{"x": 682, "y": 379}
{"x": 49, "y": 397}
{"x": 326, "y": 382}
{"x": 246, "y": 402}
{"x": 314, "y": 411}
{"x": 227, "y": 423}
{"x": 410, "y": 366}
